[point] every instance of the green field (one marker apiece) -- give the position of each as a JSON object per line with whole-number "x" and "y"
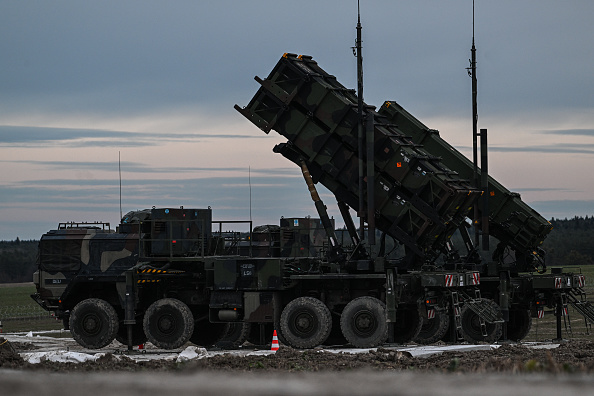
{"x": 18, "y": 312}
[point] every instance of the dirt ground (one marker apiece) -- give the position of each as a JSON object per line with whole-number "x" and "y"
{"x": 569, "y": 358}
{"x": 508, "y": 370}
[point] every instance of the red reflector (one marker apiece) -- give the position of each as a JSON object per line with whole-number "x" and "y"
{"x": 174, "y": 241}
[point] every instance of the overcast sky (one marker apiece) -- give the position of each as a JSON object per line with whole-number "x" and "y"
{"x": 156, "y": 81}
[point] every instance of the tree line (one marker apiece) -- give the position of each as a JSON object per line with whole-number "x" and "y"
{"x": 18, "y": 261}
{"x": 571, "y": 242}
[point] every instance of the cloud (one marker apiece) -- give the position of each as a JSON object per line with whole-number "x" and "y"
{"x": 129, "y": 167}
{"x": 29, "y": 136}
{"x": 570, "y": 132}
{"x": 558, "y": 148}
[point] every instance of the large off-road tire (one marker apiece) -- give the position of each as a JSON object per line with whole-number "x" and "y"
{"x": 207, "y": 334}
{"x": 93, "y": 323}
{"x": 138, "y": 336}
{"x": 519, "y": 325}
{"x": 363, "y": 322}
{"x": 434, "y": 329}
{"x": 408, "y": 324}
{"x": 471, "y": 327}
{"x": 305, "y": 322}
{"x": 168, "y": 323}
{"x": 236, "y": 335}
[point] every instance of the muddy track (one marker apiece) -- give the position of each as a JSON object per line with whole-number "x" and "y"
{"x": 571, "y": 358}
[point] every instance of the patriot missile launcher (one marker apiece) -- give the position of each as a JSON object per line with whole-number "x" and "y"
{"x": 419, "y": 190}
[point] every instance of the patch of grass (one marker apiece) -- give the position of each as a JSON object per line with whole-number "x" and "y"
{"x": 18, "y": 312}
{"x": 19, "y": 295}
{"x": 32, "y": 324}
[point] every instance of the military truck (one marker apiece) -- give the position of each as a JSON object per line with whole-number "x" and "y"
{"x": 170, "y": 275}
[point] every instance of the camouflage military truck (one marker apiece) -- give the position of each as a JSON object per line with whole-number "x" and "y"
{"x": 103, "y": 283}
{"x": 165, "y": 276}
{"x": 169, "y": 277}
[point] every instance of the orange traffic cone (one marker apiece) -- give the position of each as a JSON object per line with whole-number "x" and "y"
{"x": 274, "y": 346}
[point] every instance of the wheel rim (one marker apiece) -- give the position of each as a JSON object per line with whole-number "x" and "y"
{"x": 91, "y": 324}
{"x": 303, "y": 323}
{"x": 364, "y": 323}
{"x": 166, "y": 324}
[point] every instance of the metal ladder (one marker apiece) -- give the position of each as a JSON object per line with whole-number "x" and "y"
{"x": 582, "y": 306}
{"x": 457, "y": 317}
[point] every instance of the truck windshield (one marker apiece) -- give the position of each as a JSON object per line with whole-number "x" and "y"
{"x": 60, "y": 255}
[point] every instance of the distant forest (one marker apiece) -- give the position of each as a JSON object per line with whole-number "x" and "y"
{"x": 17, "y": 261}
{"x": 570, "y": 243}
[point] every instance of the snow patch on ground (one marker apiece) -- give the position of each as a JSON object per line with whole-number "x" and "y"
{"x": 60, "y": 356}
{"x": 65, "y": 349}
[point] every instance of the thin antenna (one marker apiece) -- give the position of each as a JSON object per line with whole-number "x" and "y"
{"x": 120, "y": 172}
{"x": 360, "y": 136}
{"x": 250, "y": 183}
{"x": 475, "y": 133}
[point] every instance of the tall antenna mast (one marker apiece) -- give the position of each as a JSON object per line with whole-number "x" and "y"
{"x": 475, "y": 134}
{"x": 360, "y": 136}
{"x": 480, "y": 181}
